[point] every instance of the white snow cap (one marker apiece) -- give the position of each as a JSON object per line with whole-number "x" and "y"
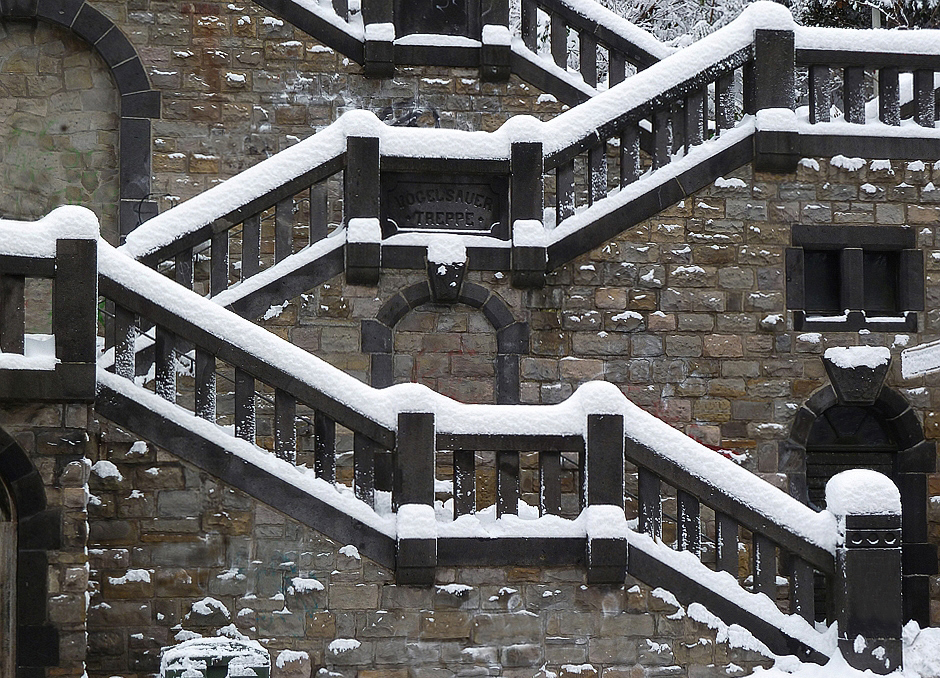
{"x": 528, "y": 233}
{"x": 417, "y": 521}
{"x": 37, "y": 238}
{"x": 384, "y": 32}
{"x": 364, "y": 230}
{"x": 494, "y": 34}
{"x": 858, "y": 356}
{"x": 776, "y": 119}
{"x": 862, "y": 491}
{"x": 444, "y": 248}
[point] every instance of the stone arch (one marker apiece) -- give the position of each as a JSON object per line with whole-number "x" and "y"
{"x": 138, "y": 102}
{"x": 34, "y": 530}
{"x": 512, "y": 336}
{"x": 910, "y": 459}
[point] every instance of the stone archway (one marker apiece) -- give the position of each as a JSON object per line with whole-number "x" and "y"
{"x": 31, "y": 532}
{"x": 832, "y": 432}
{"x": 7, "y": 584}
{"x": 512, "y": 336}
{"x": 137, "y": 103}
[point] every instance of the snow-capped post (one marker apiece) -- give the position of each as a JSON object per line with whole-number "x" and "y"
{"x": 495, "y": 52}
{"x": 74, "y": 314}
{"x": 361, "y": 204}
{"x": 603, "y": 499}
{"x": 529, "y": 254}
{"x": 867, "y": 507}
{"x": 413, "y": 498}
{"x": 773, "y": 89}
{"x": 379, "y": 49}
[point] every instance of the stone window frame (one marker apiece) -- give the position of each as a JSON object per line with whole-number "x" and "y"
{"x": 139, "y": 102}
{"x": 853, "y": 242}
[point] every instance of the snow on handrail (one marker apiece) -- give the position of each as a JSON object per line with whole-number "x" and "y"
{"x": 383, "y": 406}
{"x": 875, "y": 40}
{"x": 37, "y": 239}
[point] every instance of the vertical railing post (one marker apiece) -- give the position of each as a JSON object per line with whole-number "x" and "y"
{"x": 361, "y": 206}
{"x": 529, "y": 254}
{"x": 603, "y": 498}
{"x": 867, "y": 507}
{"x": 774, "y": 69}
{"x": 413, "y": 498}
{"x": 379, "y": 48}
{"x": 74, "y": 314}
{"x": 495, "y": 51}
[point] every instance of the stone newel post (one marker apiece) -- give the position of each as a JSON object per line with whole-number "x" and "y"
{"x": 867, "y": 506}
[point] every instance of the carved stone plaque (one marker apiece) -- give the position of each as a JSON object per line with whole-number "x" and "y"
{"x": 463, "y": 203}
{"x": 440, "y": 17}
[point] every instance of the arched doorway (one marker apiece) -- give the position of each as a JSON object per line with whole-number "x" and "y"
{"x": 832, "y": 433}
{"x": 7, "y": 584}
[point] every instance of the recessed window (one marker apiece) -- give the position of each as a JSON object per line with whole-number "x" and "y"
{"x": 854, "y": 277}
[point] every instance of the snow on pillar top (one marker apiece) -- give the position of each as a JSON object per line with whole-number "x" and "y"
{"x": 862, "y": 492}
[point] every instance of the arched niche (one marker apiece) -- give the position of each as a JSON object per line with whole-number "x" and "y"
{"x": 138, "y": 102}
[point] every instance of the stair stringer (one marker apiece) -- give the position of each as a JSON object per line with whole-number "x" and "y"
{"x": 140, "y": 417}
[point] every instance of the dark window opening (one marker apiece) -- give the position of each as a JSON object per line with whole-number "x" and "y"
{"x": 881, "y": 275}
{"x": 824, "y": 281}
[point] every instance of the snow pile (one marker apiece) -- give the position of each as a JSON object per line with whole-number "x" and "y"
{"x": 417, "y": 521}
{"x": 106, "y": 469}
{"x": 494, "y": 34}
{"x": 528, "y": 233}
{"x": 306, "y": 585}
{"x": 862, "y": 491}
{"x": 37, "y": 238}
{"x": 193, "y": 658}
{"x": 131, "y": 576}
{"x": 849, "y": 357}
{"x": 364, "y": 230}
{"x": 446, "y": 248}
{"x": 341, "y": 645}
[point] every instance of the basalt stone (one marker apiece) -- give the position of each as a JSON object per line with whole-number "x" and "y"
{"x": 859, "y": 385}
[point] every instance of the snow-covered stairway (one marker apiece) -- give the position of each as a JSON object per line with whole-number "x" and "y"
{"x": 401, "y": 526}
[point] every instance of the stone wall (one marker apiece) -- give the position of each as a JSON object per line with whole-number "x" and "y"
{"x": 164, "y": 537}
{"x": 52, "y": 576}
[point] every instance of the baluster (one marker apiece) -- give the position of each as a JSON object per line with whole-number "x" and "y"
{"x": 324, "y": 459}
{"x": 507, "y": 483}
{"x": 364, "y": 468}
{"x": 662, "y": 137}
{"x": 465, "y": 482}
{"x": 650, "y": 505}
{"x": 559, "y": 41}
{"x": 694, "y": 119}
{"x": 748, "y": 83}
{"x": 205, "y": 384}
{"x": 283, "y": 229}
{"x": 677, "y": 126}
{"x": 251, "y": 246}
{"x": 726, "y": 544}
{"x": 530, "y": 25}
{"x": 616, "y": 68}
{"x": 924, "y": 103}
{"x": 341, "y": 7}
{"x": 285, "y": 435}
{"x": 383, "y": 470}
{"x": 597, "y": 161}
{"x": 690, "y": 526}
{"x": 853, "y": 94}
{"x": 564, "y": 192}
{"x": 550, "y": 483}
{"x": 125, "y": 337}
{"x": 724, "y": 102}
{"x": 13, "y": 325}
{"x": 588, "y": 58}
{"x": 764, "y": 560}
{"x": 801, "y": 589}
{"x": 184, "y": 268}
{"x": 165, "y": 369}
{"x": 218, "y": 266}
{"x": 629, "y": 154}
{"x": 820, "y": 98}
{"x": 889, "y": 96}
{"x": 244, "y": 405}
{"x": 319, "y": 212}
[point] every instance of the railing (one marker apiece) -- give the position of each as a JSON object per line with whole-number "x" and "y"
{"x": 294, "y": 404}
{"x": 47, "y": 344}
